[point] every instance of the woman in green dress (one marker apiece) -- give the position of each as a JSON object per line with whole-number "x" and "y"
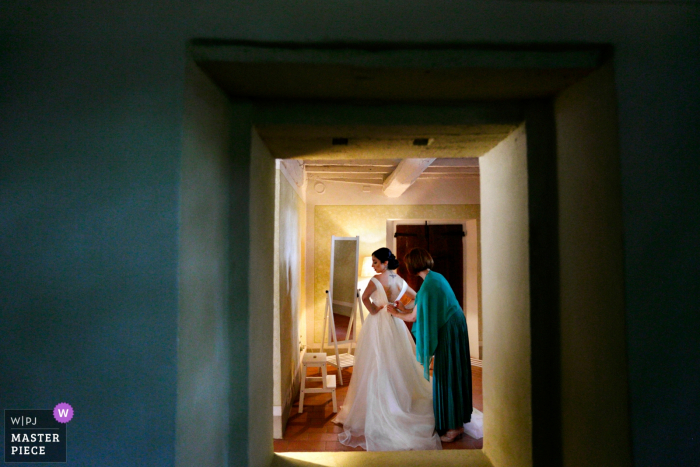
{"x": 440, "y": 329}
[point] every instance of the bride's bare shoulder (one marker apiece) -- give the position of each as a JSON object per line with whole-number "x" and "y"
{"x": 379, "y": 277}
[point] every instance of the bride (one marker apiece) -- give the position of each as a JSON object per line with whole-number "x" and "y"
{"x": 389, "y": 404}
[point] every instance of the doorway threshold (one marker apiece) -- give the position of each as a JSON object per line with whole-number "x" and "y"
{"x": 470, "y": 458}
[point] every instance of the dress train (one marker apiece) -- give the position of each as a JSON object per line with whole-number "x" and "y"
{"x": 389, "y": 405}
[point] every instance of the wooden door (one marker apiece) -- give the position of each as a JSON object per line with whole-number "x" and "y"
{"x": 445, "y": 245}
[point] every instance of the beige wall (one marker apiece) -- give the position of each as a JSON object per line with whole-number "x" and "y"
{"x": 369, "y": 222}
{"x": 506, "y": 303}
{"x": 422, "y": 192}
{"x": 289, "y": 297}
{"x": 594, "y": 365}
{"x": 473, "y": 308}
{"x": 203, "y": 344}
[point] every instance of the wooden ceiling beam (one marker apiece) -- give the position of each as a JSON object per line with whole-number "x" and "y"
{"x": 404, "y": 175}
{"x": 347, "y": 170}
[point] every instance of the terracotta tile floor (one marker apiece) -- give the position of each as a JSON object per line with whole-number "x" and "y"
{"x": 314, "y": 429}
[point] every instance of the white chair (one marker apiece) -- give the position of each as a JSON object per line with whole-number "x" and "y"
{"x": 316, "y": 360}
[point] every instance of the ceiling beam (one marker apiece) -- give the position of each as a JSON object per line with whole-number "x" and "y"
{"x": 322, "y": 176}
{"x": 465, "y": 162}
{"x": 346, "y": 169}
{"x": 404, "y": 175}
{"x": 361, "y": 181}
{"x": 451, "y": 170}
{"x": 390, "y": 163}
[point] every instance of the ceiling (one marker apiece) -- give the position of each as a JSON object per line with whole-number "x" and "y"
{"x": 394, "y": 72}
{"x": 381, "y": 142}
{"x": 376, "y": 171}
{"x": 382, "y": 75}
{"x": 369, "y": 155}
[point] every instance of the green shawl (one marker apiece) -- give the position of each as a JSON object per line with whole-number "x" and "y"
{"x": 435, "y": 303}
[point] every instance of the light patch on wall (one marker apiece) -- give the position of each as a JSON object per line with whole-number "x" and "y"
{"x": 290, "y": 316}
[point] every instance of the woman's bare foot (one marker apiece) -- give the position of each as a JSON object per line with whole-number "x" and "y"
{"x": 452, "y": 435}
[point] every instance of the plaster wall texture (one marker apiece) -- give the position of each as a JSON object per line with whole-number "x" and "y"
{"x": 261, "y": 304}
{"x": 203, "y": 276}
{"x": 591, "y": 275}
{"x": 290, "y": 319}
{"x": 474, "y": 299}
{"x": 506, "y": 303}
{"x": 92, "y": 138}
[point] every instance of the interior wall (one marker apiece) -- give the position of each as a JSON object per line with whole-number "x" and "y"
{"x": 203, "y": 275}
{"x": 430, "y": 192}
{"x": 369, "y": 222}
{"x": 473, "y": 303}
{"x": 289, "y": 312}
{"x": 506, "y": 303}
{"x": 592, "y": 286}
{"x": 261, "y": 305}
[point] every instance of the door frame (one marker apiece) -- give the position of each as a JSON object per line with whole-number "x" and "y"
{"x": 392, "y": 102}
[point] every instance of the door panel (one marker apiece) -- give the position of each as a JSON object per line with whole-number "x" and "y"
{"x": 445, "y": 245}
{"x": 407, "y": 238}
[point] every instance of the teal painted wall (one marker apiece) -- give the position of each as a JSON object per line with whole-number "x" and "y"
{"x": 91, "y": 117}
{"x": 204, "y": 349}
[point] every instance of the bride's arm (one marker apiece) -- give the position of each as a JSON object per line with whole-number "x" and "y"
{"x": 408, "y": 317}
{"x": 371, "y": 307}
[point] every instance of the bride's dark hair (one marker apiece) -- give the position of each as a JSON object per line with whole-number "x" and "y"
{"x": 385, "y": 254}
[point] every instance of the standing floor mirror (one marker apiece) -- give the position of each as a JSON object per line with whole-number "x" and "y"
{"x": 342, "y": 303}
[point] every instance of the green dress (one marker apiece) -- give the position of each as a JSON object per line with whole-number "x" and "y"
{"x": 441, "y": 330}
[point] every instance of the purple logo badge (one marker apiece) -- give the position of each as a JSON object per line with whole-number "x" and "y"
{"x": 63, "y": 412}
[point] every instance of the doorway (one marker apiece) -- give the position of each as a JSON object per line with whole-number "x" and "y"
{"x": 538, "y": 339}
{"x": 445, "y": 244}
{"x": 343, "y": 207}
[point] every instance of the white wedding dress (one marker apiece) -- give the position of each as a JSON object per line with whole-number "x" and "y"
{"x": 389, "y": 404}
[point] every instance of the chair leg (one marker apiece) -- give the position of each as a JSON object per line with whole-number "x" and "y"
{"x": 303, "y": 386}
{"x": 335, "y": 403}
{"x": 340, "y": 374}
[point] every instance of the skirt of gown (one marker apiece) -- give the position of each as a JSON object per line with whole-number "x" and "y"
{"x": 389, "y": 404}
